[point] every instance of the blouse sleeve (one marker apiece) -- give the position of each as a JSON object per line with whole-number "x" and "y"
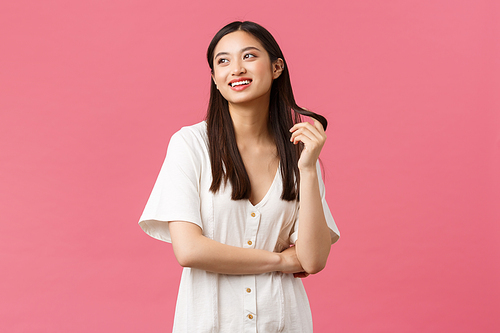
{"x": 334, "y": 231}
{"x": 175, "y": 195}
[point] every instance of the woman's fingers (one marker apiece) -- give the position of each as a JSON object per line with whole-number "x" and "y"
{"x": 316, "y": 125}
{"x": 319, "y": 126}
{"x": 315, "y": 133}
{"x": 313, "y": 137}
{"x": 305, "y": 132}
{"x": 305, "y": 137}
{"x": 310, "y": 141}
{"x": 305, "y": 126}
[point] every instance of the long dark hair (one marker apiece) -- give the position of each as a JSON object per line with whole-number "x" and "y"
{"x": 225, "y": 157}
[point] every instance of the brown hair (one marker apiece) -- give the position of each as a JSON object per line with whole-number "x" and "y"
{"x": 225, "y": 157}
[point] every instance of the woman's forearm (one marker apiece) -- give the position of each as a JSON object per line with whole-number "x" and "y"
{"x": 313, "y": 240}
{"x": 194, "y": 250}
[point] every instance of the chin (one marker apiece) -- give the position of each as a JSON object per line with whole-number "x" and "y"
{"x": 241, "y": 100}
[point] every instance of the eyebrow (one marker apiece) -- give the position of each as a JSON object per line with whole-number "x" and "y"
{"x": 241, "y": 51}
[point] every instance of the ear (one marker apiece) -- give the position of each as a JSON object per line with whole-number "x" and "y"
{"x": 278, "y": 68}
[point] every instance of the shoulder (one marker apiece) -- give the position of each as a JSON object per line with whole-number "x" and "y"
{"x": 196, "y": 130}
{"x": 193, "y": 137}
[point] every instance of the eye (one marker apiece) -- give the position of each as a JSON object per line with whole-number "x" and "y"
{"x": 222, "y": 60}
{"x": 249, "y": 55}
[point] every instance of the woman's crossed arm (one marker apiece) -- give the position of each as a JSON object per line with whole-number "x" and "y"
{"x": 194, "y": 250}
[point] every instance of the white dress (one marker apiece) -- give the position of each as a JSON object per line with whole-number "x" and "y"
{"x": 211, "y": 302}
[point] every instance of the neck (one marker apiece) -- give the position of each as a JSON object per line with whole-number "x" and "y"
{"x": 251, "y": 123}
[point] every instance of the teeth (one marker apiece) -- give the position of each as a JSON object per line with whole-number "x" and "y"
{"x": 239, "y": 83}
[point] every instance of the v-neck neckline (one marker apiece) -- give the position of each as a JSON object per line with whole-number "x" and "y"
{"x": 264, "y": 199}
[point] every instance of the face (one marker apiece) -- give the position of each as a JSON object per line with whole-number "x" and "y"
{"x": 242, "y": 70}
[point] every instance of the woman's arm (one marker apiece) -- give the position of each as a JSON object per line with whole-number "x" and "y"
{"x": 194, "y": 250}
{"x": 313, "y": 240}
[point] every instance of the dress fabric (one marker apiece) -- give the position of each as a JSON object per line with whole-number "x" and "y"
{"x": 211, "y": 302}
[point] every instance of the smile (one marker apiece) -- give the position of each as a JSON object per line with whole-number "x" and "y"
{"x": 240, "y": 83}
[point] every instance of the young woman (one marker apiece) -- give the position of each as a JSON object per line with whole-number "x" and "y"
{"x": 229, "y": 192}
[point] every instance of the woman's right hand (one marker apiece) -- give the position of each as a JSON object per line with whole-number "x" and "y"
{"x": 290, "y": 263}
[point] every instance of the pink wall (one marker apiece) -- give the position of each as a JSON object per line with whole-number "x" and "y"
{"x": 91, "y": 91}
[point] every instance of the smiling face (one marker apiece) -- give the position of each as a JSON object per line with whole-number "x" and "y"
{"x": 242, "y": 69}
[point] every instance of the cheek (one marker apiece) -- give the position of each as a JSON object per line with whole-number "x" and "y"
{"x": 218, "y": 77}
{"x": 266, "y": 76}
{"x": 265, "y": 71}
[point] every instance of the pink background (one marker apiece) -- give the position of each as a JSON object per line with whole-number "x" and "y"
{"x": 91, "y": 91}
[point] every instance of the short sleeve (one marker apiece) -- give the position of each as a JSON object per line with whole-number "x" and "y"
{"x": 175, "y": 195}
{"x": 334, "y": 231}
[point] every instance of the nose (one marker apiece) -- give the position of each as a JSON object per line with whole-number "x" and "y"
{"x": 238, "y": 68}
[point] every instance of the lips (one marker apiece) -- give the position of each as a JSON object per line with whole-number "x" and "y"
{"x": 240, "y": 82}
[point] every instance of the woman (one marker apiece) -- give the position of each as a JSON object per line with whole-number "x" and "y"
{"x": 227, "y": 196}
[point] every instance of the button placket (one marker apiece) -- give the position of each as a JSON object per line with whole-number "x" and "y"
{"x": 248, "y": 281}
{"x": 250, "y": 303}
{"x": 251, "y": 227}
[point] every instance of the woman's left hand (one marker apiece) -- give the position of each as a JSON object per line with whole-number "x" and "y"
{"x": 313, "y": 137}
